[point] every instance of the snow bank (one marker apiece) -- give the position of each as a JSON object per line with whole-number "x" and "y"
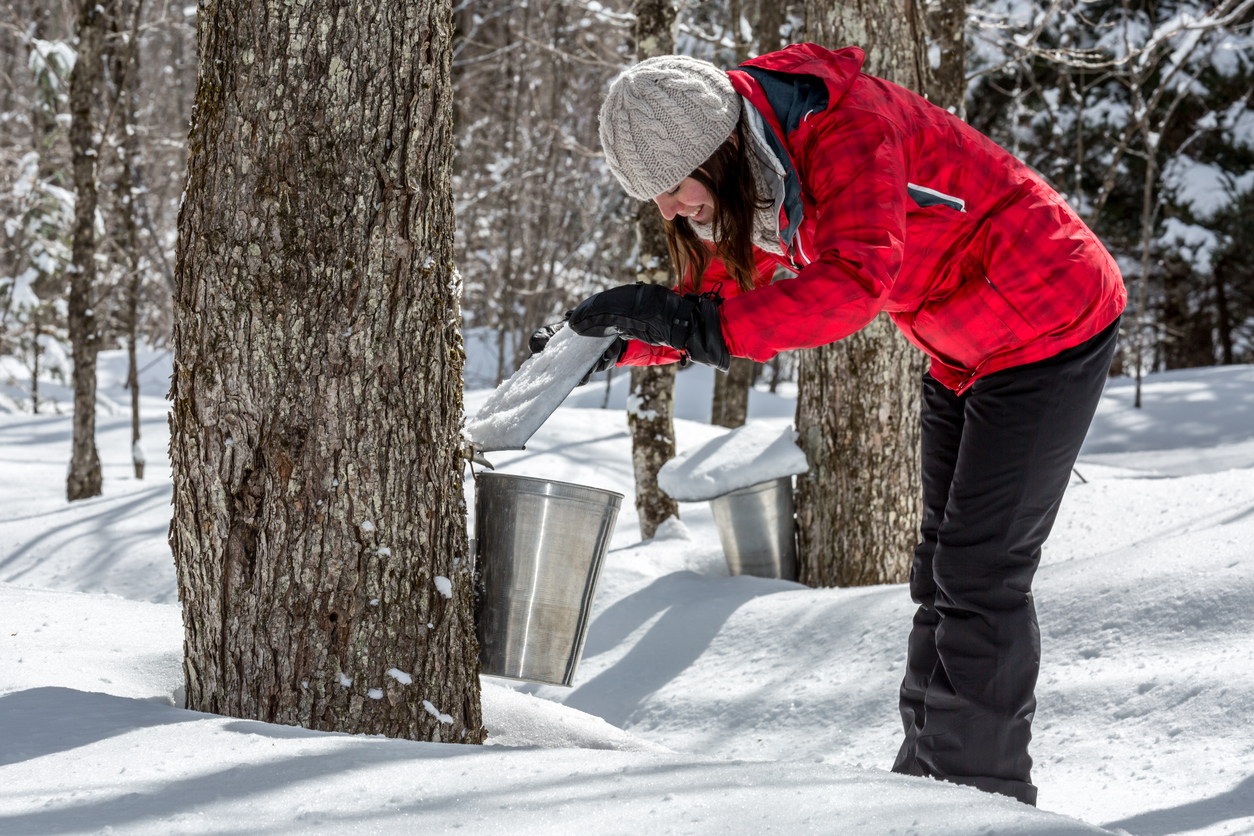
{"x": 89, "y": 745}
{"x": 513, "y": 413}
{"x": 748, "y": 455}
{"x": 513, "y": 718}
{"x": 1194, "y": 421}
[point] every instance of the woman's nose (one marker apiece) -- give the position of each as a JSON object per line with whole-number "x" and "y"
{"x": 667, "y": 205}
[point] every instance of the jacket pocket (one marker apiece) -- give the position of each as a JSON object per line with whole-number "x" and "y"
{"x": 1011, "y": 318}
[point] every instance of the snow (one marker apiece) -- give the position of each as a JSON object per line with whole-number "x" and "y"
{"x": 1195, "y": 244}
{"x": 435, "y": 712}
{"x": 749, "y": 455}
{"x": 512, "y": 414}
{"x": 1238, "y": 126}
{"x": 400, "y": 676}
{"x": 444, "y": 585}
{"x": 703, "y": 703}
{"x": 1205, "y": 189}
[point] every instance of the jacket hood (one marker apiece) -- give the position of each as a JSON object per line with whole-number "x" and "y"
{"x": 837, "y": 69}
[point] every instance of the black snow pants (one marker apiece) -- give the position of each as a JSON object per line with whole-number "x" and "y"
{"x": 996, "y": 461}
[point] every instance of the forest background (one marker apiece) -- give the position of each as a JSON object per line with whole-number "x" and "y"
{"x": 1139, "y": 113}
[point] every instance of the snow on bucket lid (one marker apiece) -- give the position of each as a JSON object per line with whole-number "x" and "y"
{"x": 746, "y": 456}
{"x": 513, "y": 413}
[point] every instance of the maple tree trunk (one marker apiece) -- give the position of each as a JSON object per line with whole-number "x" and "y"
{"x": 319, "y": 528}
{"x": 858, "y": 507}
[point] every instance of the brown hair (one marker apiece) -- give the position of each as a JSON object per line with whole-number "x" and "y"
{"x": 729, "y": 177}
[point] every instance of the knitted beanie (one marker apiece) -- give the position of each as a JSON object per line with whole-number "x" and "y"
{"x": 662, "y": 119}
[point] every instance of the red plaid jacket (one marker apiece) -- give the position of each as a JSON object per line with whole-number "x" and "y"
{"x": 907, "y": 209}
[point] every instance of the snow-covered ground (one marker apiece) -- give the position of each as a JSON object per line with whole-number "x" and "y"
{"x": 704, "y": 704}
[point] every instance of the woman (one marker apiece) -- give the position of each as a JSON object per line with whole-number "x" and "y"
{"x": 879, "y": 201}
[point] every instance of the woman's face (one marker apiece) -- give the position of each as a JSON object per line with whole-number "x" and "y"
{"x": 689, "y": 199}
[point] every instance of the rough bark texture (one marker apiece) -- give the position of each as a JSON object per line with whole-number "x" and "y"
{"x": 83, "y": 480}
{"x": 730, "y": 407}
{"x": 891, "y": 32}
{"x": 651, "y": 407}
{"x": 858, "y": 400}
{"x": 319, "y": 529}
{"x": 858, "y": 413}
{"x": 649, "y": 416}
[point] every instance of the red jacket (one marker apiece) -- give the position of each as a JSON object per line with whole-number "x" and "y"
{"x": 902, "y": 207}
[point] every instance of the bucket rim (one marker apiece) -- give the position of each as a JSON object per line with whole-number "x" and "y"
{"x": 493, "y": 477}
{"x": 757, "y": 487}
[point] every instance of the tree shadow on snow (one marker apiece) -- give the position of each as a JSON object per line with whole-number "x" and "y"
{"x": 114, "y": 528}
{"x": 44, "y": 721}
{"x": 692, "y": 615}
{"x": 1236, "y": 803}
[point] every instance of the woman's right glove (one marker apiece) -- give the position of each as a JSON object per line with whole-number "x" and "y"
{"x": 657, "y": 315}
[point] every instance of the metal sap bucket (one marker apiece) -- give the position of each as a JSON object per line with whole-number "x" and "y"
{"x": 758, "y": 530}
{"x": 539, "y": 546}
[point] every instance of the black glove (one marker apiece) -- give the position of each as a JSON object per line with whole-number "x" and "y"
{"x": 610, "y": 357}
{"x": 657, "y": 315}
{"x": 541, "y": 336}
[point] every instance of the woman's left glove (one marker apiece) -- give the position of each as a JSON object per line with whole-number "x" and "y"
{"x": 657, "y": 315}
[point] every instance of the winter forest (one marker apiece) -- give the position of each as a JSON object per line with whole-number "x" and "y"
{"x": 267, "y": 273}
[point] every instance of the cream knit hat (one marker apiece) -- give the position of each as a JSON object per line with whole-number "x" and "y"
{"x": 663, "y": 118}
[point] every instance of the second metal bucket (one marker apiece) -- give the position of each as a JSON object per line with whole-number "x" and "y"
{"x": 539, "y": 546}
{"x": 758, "y": 530}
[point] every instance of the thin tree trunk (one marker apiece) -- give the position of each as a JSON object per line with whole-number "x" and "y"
{"x": 858, "y": 399}
{"x": 34, "y": 373}
{"x": 126, "y": 74}
{"x": 947, "y": 85}
{"x": 1147, "y": 192}
{"x": 741, "y": 45}
{"x": 731, "y": 394}
{"x": 651, "y": 406}
{"x": 319, "y": 529}
{"x": 770, "y": 19}
{"x": 83, "y": 480}
{"x": 1223, "y": 316}
{"x": 731, "y": 390}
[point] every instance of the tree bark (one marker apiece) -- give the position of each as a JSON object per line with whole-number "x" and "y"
{"x": 319, "y": 529}
{"x": 858, "y": 400}
{"x": 1223, "y": 315}
{"x": 651, "y": 407}
{"x": 731, "y": 394}
{"x": 770, "y": 19}
{"x": 891, "y": 32}
{"x": 126, "y": 76}
{"x": 84, "y": 479}
{"x": 947, "y": 82}
{"x": 858, "y": 506}
{"x": 651, "y": 404}
{"x": 741, "y": 45}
